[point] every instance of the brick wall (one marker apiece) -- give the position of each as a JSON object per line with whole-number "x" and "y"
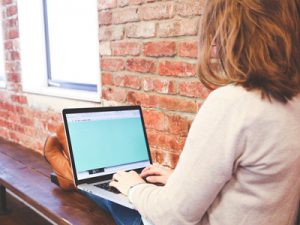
{"x": 148, "y": 54}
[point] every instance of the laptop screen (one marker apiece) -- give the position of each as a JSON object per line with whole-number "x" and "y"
{"x": 103, "y": 142}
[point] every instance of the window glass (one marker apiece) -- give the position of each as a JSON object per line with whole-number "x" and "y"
{"x": 59, "y": 48}
{"x": 71, "y": 40}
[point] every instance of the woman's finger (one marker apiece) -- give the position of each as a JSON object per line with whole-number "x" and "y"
{"x": 156, "y": 179}
{"x": 116, "y": 176}
{"x": 113, "y": 184}
{"x": 151, "y": 171}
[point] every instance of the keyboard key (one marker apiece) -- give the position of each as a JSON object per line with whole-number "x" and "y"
{"x": 107, "y": 187}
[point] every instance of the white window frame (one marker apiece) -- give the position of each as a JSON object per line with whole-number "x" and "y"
{"x": 2, "y": 55}
{"x": 33, "y": 55}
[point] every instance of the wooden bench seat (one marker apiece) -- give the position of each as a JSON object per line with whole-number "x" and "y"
{"x": 26, "y": 174}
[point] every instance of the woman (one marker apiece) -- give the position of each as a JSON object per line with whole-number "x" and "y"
{"x": 241, "y": 161}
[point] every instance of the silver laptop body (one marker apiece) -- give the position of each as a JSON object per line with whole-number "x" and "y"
{"x": 102, "y": 141}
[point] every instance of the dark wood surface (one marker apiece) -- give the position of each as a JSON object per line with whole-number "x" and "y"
{"x": 26, "y": 174}
{"x": 21, "y": 214}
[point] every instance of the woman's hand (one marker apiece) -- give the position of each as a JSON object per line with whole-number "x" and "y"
{"x": 123, "y": 181}
{"x": 156, "y": 174}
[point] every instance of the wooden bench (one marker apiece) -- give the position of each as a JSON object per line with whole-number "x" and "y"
{"x": 26, "y": 175}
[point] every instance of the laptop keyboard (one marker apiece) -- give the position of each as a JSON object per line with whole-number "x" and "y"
{"x": 107, "y": 187}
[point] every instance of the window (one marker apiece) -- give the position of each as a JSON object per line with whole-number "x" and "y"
{"x": 60, "y": 48}
{"x": 2, "y": 68}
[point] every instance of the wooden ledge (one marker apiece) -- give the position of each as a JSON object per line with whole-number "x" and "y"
{"x": 26, "y": 174}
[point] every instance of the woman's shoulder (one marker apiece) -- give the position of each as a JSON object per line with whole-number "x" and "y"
{"x": 230, "y": 92}
{"x": 250, "y": 104}
{"x": 234, "y": 95}
{"x": 251, "y": 107}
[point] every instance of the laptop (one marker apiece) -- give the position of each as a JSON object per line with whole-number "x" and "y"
{"x": 102, "y": 141}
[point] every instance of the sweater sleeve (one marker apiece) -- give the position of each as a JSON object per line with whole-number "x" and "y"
{"x": 205, "y": 165}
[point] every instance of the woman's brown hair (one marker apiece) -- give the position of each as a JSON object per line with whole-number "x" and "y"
{"x": 258, "y": 45}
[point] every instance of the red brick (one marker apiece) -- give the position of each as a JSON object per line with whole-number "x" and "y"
{"x": 178, "y": 125}
{"x": 14, "y": 136}
{"x": 188, "y": 8}
{"x": 154, "y": 120}
{"x": 159, "y": 85}
{"x": 125, "y": 15}
{"x": 19, "y": 99}
{"x": 111, "y": 33}
{"x": 7, "y": 106}
{"x": 140, "y": 98}
{"x": 174, "y": 68}
{"x": 27, "y": 112}
{"x": 13, "y": 77}
{"x": 193, "y": 89}
{"x": 26, "y": 121}
{"x": 8, "y": 45}
{"x": 177, "y": 104}
{"x": 125, "y": 48}
{"x": 12, "y": 10}
{"x": 4, "y": 123}
{"x": 132, "y": 82}
{"x": 160, "y": 49}
{"x": 14, "y": 55}
{"x": 14, "y": 87}
{"x": 140, "y": 65}
{"x": 3, "y": 114}
{"x": 127, "y": 81}
{"x": 20, "y": 128}
{"x": 112, "y": 64}
{"x": 105, "y": 48}
{"x": 104, "y": 18}
{"x": 19, "y": 110}
{"x": 164, "y": 10}
{"x": 188, "y": 49}
{"x": 152, "y": 153}
{"x": 165, "y": 141}
{"x": 115, "y": 94}
{"x": 9, "y": 67}
{"x": 4, "y": 132}
{"x": 30, "y": 131}
{"x": 123, "y": 3}
{"x": 164, "y": 157}
{"x": 6, "y": 2}
{"x": 12, "y": 34}
{"x": 141, "y": 30}
{"x": 11, "y": 23}
{"x": 35, "y": 145}
{"x": 3, "y": 96}
{"x": 107, "y": 79}
{"x": 172, "y": 142}
{"x": 107, "y": 4}
{"x": 152, "y": 136}
{"x": 14, "y": 117}
{"x": 182, "y": 27}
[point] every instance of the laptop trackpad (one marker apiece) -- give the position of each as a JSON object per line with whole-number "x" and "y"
{"x": 102, "y": 193}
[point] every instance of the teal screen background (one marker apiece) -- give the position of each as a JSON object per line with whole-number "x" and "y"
{"x": 106, "y": 143}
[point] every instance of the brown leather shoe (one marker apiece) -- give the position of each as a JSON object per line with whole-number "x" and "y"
{"x": 57, "y": 154}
